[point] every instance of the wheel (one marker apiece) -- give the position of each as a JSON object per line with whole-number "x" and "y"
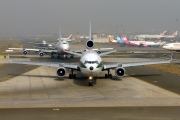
{"x": 74, "y": 76}
{"x": 110, "y": 75}
{"x": 106, "y": 76}
{"x": 70, "y": 76}
{"x": 91, "y": 83}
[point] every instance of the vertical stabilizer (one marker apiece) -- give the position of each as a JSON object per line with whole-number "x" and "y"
{"x": 90, "y": 42}
{"x": 59, "y": 33}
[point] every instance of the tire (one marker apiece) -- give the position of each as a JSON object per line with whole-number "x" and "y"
{"x": 110, "y": 76}
{"x": 70, "y": 76}
{"x": 74, "y": 76}
{"x": 106, "y": 76}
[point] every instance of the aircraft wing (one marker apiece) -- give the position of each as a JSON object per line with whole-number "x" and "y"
{"x": 36, "y": 50}
{"x": 74, "y": 53}
{"x": 105, "y": 53}
{"x": 131, "y": 64}
{"x": 28, "y": 49}
{"x": 49, "y": 64}
{"x": 102, "y": 49}
{"x": 48, "y": 51}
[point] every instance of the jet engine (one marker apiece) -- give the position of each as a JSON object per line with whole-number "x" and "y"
{"x": 25, "y": 52}
{"x": 99, "y": 52}
{"x": 61, "y": 71}
{"x": 50, "y": 46}
{"x": 120, "y": 72}
{"x": 89, "y": 44}
{"x": 41, "y": 54}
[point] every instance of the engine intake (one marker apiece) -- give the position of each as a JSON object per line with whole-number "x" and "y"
{"x": 61, "y": 71}
{"x": 41, "y": 54}
{"x": 99, "y": 52}
{"x": 89, "y": 44}
{"x": 25, "y": 52}
{"x": 120, "y": 72}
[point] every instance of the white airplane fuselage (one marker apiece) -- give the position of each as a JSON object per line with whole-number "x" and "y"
{"x": 90, "y": 63}
{"x": 172, "y": 46}
{"x": 62, "y": 46}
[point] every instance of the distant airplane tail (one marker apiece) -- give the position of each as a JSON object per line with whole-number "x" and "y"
{"x": 164, "y": 33}
{"x": 119, "y": 40}
{"x": 124, "y": 38}
{"x": 110, "y": 38}
{"x": 70, "y": 36}
{"x": 175, "y": 34}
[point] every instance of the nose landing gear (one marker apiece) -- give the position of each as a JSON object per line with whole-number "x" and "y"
{"x": 108, "y": 75}
{"x": 91, "y": 83}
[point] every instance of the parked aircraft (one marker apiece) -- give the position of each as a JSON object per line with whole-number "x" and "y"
{"x": 91, "y": 64}
{"x": 59, "y": 49}
{"x": 160, "y": 36}
{"x": 68, "y": 38}
{"x": 143, "y": 43}
{"x": 172, "y": 47}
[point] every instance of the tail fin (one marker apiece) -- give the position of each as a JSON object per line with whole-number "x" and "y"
{"x": 164, "y": 33}
{"x": 90, "y": 38}
{"x": 175, "y": 34}
{"x": 124, "y": 38}
{"x": 118, "y": 38}
{"x": 110, "y": 38}
{"x": 70, "y": 36}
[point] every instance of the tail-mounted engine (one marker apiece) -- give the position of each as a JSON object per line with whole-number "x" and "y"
{"x": 120, "y": 72}
{"x": 89, "y": 44}
{"x": 25, "y": 52}
{"x": 61, "y": 71}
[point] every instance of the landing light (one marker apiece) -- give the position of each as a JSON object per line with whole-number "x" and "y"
{"x": 90, "y": 77}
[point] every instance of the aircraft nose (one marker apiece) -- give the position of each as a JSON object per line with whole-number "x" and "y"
{"x": 91, "y": 68}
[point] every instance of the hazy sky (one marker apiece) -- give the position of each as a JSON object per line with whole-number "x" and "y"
{"x": 23, "y": 17}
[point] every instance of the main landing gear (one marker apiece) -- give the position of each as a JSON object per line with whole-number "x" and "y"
{"x": 108, "y": 75}
{"x": 72, "y": 75}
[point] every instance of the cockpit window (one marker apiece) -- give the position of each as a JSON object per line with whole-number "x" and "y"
{"x": 64, "y": 43}
{"x": 91, "y": 62}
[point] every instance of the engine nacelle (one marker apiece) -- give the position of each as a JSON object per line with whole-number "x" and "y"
{"x": 41, "y": 54}
{"x": 120, "y": 72}
{"x": 89, "y": 44}
{"x": 25, "y": 52}
{"x": 61, "y": 71}
{"x": 50, "y": 46}
{"x": 99, "y": 52}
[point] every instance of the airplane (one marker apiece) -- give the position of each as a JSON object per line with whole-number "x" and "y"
{"x": 59, "y": 48}
{"x": 132, "y": 43}
{"x": 142, "y": 43}
{"x": 172, "y": 47}
{"x": 68, "y": 38}
{"x": 161, "y": 36}
{"x": 172, "y": 36}
{"x": 91, "y": 64}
